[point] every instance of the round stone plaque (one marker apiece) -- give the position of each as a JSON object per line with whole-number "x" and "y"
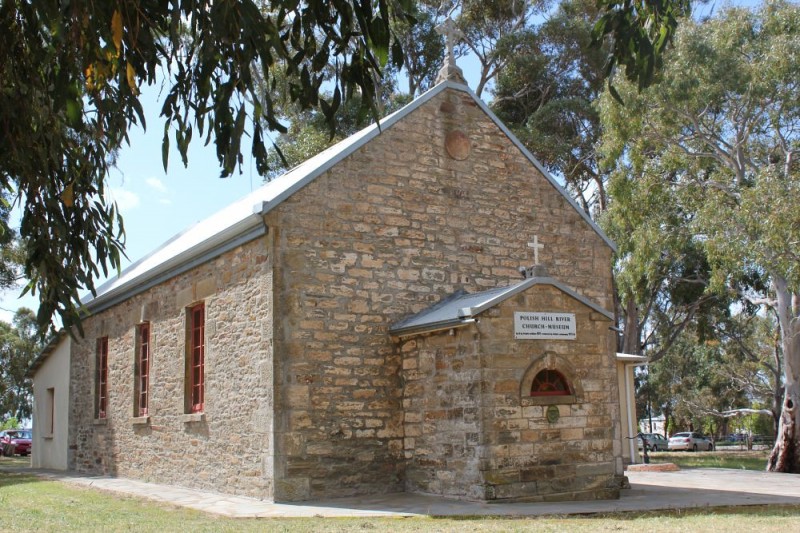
{"x": 457, "y": 145}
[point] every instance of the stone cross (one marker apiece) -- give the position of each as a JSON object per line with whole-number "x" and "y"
{"x": 536, "y": 245}
{"x": 451, "y": 34}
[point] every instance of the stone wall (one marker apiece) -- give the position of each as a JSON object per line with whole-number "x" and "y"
{"x": 385, "y": 233}
{"x": 445, "y": 441}
{"x": 297, "y": 321}
{"x": 227, "y": 449}
{"x": 472, "y": 429}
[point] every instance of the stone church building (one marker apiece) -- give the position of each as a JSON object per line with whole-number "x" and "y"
{"x": 419, "y": 308}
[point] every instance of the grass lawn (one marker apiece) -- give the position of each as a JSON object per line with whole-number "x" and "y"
{"x": 28, "y": 503}
{"x": 738, "y": 459}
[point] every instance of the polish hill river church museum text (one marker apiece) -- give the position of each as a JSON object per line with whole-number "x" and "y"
{"x": 419, "y": 308}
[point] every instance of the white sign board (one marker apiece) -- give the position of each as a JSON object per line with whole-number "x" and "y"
{"x": 531, "y": 325}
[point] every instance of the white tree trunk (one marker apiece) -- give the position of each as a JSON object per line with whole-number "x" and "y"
{"x": 785, "y": 456}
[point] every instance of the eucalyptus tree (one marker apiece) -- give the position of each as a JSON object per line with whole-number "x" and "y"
{"x": 662, "y": 271}
{"x": 753, "y": 363}
{"x": 545, "y": 93}
{"x": 722, "y": 129}
{"x": 308, "y": 132}
{"x": 10, "y": 260}
{"x": 19, "y": 345}
{"x": 423, "y": 47}
{"x": 491, "y": 31}
{"x": 688, "y": 388}
{"x": 640, "y": 32}
{"x": 70, "y": 75}
{"x": 714, "y": 372}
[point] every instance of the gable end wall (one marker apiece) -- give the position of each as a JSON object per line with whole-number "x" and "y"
{"x": 390, "y": 230}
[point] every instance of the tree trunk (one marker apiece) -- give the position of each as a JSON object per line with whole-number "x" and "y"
{"x": 785, "y": 456}
{"x": 667, "y": 414}
{"x": 631, "y": 340}
{"x": 777, "y": 394}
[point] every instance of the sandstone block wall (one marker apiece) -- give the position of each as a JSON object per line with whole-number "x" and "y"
{"x": 385, "y": 233}
{"x": 304, "y": 386}
{"x": 472, "y": 429}
{"x": 227, "y": 449}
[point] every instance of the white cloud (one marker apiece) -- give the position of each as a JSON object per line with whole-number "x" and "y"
{"x": 156, "y": 184}
{"x": 165, "y": 201}
{"x": 126, "y": 200}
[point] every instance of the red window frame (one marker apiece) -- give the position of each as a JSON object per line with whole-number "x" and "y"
{"x": 197, "y": 348}
{"x": 51, "y": 406}
{"x": 550, "y": 383}
{"x": 102, "y": 377}
{"x": 143, "y": 369}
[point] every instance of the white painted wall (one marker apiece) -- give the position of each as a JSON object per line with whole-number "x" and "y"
{"x": 627, "y": 402}
{"x": 658, "y": 425}
{"x": 50, "y": 450}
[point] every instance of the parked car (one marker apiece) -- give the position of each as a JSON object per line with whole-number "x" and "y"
{"x": 653, "y": 441}
{"x": 690, "y": 440}
{"x": 15, "y": 441}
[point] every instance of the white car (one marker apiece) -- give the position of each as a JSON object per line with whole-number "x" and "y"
{"x": 690, "y": 441}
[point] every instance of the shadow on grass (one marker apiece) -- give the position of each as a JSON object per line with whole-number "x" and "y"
{"x": 10, "y": 478}
{"x": 15, "y": 470}
{"x": 735, "y": 459}
{"x": 765, "y": 510}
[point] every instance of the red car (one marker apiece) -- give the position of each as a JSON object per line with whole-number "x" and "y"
{"x": 15, "y": 441}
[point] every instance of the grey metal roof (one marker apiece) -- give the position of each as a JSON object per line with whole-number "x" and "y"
{"x": 243, "y": 220}
{"x": 461, "y": 308}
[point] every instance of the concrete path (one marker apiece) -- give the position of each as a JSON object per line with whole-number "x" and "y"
{"x": 650, "y": 491}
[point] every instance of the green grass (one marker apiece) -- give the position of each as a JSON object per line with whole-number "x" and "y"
{"x": 740, "y": 460}
{"x": 16, "y": 461}
{"x": 32, "y": 504}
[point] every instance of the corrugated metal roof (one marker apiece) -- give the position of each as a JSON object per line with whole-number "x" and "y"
{"x": 462, "y": 308}
{"x": 243, "y": 220}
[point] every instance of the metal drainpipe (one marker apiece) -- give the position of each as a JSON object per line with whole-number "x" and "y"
{"x": 630, "y": 413}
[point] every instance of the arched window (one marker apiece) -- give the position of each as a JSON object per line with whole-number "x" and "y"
{"x": 550, "y": 383}
{"x": 550, "y": 380}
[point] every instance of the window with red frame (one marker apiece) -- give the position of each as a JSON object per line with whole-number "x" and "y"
{"x": 101, "y": 378}
{"x": 50, "y": 412}
{"x": 196, "y": 358}
{"x": 142, "y": 369}
{"x": 550, "y": 383}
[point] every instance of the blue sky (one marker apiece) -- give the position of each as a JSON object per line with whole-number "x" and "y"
{"x": 156, "y": 205}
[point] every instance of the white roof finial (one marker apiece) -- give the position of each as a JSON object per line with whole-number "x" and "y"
{"x": 450, "y": 70}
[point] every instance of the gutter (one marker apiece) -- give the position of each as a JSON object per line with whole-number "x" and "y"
{"x": 430, "y": 328}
